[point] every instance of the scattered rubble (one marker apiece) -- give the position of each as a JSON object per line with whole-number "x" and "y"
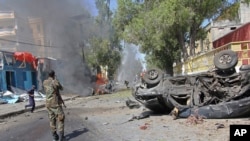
{"x": 144, "y": 127}
{"x": 219, "y": 125}
{"x": 18, "y": 95}
{"x": 195, "y": 119}
{"x": 132, "y": 104}
{"x": 141, "y": 116}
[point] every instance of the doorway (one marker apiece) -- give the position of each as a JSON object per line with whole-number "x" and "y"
{"x": 10, "y": 80}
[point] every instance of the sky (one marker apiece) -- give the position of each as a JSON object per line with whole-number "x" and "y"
{"x": 92, "y": 8}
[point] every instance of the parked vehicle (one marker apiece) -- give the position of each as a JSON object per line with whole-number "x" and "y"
{"x": 218, "y": 93}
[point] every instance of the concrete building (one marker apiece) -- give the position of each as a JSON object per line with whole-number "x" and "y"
{"x": 221, "y": 35}
{"x": 15, "y": 34}
{"x": 219, "y": 28}
{"x": 37, "y": 29}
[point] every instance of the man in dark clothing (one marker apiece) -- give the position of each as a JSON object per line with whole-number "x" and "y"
{"x": 54, "y": 105}
{"x": 126, "y": 83}
{"x": 32, "y": 103}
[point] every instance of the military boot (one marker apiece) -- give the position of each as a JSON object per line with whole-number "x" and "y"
{"x": 61, "y": 136}
{"x": 55, "y": 136}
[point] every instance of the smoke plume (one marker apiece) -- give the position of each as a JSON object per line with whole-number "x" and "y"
{"x": 63, "y": 34}
{"x": 131, "y": 64}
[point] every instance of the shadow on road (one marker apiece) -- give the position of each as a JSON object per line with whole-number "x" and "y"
{"x": 75, "y": 133}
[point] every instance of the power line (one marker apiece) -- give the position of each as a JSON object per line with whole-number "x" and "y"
{"x": 20, "y": 42}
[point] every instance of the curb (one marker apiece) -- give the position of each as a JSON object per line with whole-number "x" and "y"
{"x": 17, "y": 112}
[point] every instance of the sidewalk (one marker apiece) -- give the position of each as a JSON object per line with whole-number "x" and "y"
{"x": 7, "y": 110}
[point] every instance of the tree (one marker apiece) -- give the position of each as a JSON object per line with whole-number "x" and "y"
{"x": 164, "y": 28}
{"x": 142, "y": 24}
{"x": 104, "y": 48}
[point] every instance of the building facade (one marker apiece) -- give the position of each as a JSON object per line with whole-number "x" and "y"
{"x": 219, "y": 28}
{"x": 8, "y": 31}
{"x": 37, "y": 29}
{"x": 17, "y": 69}
{"x": 15, "y": 34}
{"x": 221, "y": 35}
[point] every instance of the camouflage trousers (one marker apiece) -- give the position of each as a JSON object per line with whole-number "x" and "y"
{"x": 56, "y": 118}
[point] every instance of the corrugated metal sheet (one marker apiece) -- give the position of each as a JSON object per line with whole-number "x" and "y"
{"x": 240, "y": 34}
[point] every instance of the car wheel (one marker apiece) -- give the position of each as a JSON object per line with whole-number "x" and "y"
{"x": 225, "y": 59}
{"x": 152, "y": 76}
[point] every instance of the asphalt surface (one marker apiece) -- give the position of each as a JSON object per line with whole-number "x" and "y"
{"x": 7, "y": 110}
{"x": 107, "y": 118}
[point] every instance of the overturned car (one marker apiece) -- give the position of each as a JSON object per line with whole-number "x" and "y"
{"x": 219, "y": 93}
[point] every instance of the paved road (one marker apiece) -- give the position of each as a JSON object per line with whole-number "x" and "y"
{"x": 101, "y": 118}
{"x": 82, "y": 120}
{"x": 35, "y": 126}
{"x": 7, "y": 110}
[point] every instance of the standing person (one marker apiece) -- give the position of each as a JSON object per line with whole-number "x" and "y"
{"x": 126, "y": 83}
{"x": 54, "y": 105}
{"x": 32, "y": 103}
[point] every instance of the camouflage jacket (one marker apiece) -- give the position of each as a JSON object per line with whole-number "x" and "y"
{"x": 51, "y": 87}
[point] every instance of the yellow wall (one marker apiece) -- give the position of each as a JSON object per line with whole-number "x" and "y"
{"x": 204, "y": 61}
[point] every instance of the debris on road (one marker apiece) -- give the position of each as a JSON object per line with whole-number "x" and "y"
{"x": 141, "y": 116}
{"x": 219, "y": 125}
{"x": 19, "y": 95}
{"x": 105, "y": 123}
{"x": 195, "y": 119}
{"x": 132, "y": 104}
{"x": 144, "y": 127}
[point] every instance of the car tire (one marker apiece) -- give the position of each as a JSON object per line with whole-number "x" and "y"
{"x": 226, "y": 59}
{"x": 152, "y": 76}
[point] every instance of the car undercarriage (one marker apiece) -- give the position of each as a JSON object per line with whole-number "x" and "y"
{"x": 219, "y": 93}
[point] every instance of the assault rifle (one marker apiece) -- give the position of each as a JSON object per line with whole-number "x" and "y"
{"x": 59, "y": 95}
{"x": 60, "y": 98}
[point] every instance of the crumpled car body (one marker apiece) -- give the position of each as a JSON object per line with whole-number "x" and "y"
{"x": 220, "y": 93}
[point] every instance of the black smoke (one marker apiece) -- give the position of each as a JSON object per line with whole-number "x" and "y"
{"x": 64, "y": 23}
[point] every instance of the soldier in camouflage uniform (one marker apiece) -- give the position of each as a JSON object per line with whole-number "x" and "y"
{"x": 54, "y": 105}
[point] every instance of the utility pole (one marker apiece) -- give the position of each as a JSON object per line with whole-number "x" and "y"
{"x": 82, "y": 47}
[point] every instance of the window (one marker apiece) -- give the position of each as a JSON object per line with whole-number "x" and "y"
{"x": 38, "y": 28}
{"x": 32, "y": 30}
{"x": 9, "y": 58}
{"x": 233, "y": 28}
{"x": 10, "y": 27}
{"x": 39, "y": 42}
{"x": 21, "y": 29}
